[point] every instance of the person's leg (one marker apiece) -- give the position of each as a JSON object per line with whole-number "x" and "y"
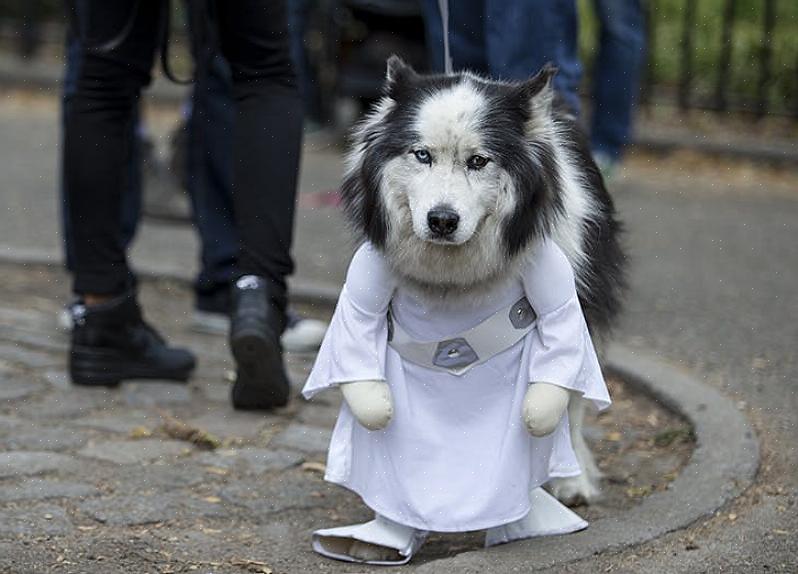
{"x": 131, "y": 196}
{"x": 523, "y": 36}
{"x": 266, "y": 137}
{"x": 210, "y": 177}
{"x": 266, "y": 145}
{"x": 617, "y": 74}
{"x": 110, "y": 341}
{"x": 99, "y": 118}
{"x": 466, "y": 35}
{"x": 298, "y": 11}
{"x": 209, "y": 182}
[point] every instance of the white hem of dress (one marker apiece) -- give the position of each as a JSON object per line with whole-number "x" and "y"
{"x": 431, "y": 528}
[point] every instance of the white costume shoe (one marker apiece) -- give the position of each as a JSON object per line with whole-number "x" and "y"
{"x": 381, "y": 542}
{"x": 547, "y": 517}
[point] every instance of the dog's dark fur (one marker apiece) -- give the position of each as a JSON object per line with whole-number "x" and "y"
{"x": 522, "y": 144}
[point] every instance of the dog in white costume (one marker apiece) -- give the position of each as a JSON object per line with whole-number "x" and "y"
{"x": 458, "y": 340}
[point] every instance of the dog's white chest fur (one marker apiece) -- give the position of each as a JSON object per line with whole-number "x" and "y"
{"x": 455, "y": 456}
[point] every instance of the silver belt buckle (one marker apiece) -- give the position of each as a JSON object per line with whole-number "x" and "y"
{"x": 454, "y": 354}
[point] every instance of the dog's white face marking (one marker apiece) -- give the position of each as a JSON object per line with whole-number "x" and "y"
{"x": 447, "y": 178}
{"x": 446, "y": 195}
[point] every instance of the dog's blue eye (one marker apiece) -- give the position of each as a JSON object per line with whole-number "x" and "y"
{"x": 477, "y": 162}
{"x": 423, "y": 156}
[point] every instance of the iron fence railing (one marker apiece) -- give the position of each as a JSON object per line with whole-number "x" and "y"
{"x": 739, "y": 70}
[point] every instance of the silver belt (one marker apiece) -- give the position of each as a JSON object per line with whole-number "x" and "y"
{"x": 476, "y": 345}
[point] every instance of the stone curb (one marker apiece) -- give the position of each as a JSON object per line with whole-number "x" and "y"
{"x": 779, "y": 153}
{"x": 723, "y": 465}
{"x": 301, "y": 290}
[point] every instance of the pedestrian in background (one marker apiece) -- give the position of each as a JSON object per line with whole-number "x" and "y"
{"x": 509, "y": 40}
{"x": 204, "y": 155}
{"x": 512, "y": 40}
{"x": 616, "y": 78}
{"x": 110, "y": 341}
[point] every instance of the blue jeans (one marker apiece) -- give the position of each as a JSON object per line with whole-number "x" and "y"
{"x": 210, "y": 174}
{"x": 509, "y": 39}
{"x": 616, "y": 78}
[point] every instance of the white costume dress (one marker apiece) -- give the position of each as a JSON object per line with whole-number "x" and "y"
{"x": 456, "y": 456}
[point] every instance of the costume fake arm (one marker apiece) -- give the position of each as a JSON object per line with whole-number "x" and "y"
{"x": 549, "y": 284}
{"x": 370, "y": 285}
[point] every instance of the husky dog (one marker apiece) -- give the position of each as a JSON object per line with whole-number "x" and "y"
{"x": 456, "y": 178}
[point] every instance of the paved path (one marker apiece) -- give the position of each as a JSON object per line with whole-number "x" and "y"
{"x": 714, "y": 291}
{"x": 85, "y": 471}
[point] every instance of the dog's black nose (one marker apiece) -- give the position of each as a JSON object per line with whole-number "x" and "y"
{"x": 442, "y": 221}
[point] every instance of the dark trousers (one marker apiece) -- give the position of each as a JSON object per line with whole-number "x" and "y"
{"x": 266, "y": 138}
{"x": 131, "y": 196}
{"x": 210, "y": 174}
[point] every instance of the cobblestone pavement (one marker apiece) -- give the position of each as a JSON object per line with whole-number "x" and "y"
{"x": 103, "y": 480}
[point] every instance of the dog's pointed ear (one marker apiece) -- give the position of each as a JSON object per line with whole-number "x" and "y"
{"x": 398, "y": 73}
{"x": 539, "y": 91}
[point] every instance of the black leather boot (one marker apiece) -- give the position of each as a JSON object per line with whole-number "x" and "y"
{"x": 112, "y": 343}
{"x": 257, "y": 322}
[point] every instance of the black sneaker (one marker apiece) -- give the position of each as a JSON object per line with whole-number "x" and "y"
{"x": 112, "y": 343}
{"x": 256, "y": 325}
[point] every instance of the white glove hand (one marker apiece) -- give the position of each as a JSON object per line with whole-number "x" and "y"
{"x": 544, "y": 406}
{"x": 370, "y": 402}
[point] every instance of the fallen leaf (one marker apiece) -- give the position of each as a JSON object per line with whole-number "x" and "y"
{"x": 638, "y": 491}
{"x": 140, "y": 432}
{"x": 613, "y": 436}
{"x": 213, "y": 499}
{"x": 732, "y": 517}
{"x": 314, "y": 467}
{"x": 175, "y": 428}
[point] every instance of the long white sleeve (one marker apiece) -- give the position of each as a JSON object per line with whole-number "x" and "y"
{"x": 356, "y": 340}
{"x": 563, "y": 354}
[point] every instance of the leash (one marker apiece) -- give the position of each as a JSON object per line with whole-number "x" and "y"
{"x": 443, "y": 5}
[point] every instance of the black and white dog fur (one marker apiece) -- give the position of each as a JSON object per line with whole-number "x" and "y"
{"x": 505, "y": 167}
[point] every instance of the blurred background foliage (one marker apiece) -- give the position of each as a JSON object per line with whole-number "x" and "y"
{"x": 665, "y": 61}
